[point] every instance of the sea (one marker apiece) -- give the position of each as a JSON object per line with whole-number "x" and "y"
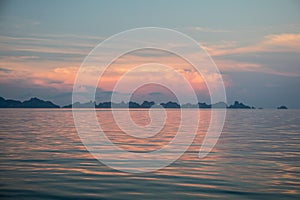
{"x": 257, "y": 156}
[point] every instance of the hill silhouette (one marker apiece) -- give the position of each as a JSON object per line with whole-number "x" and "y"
{"x": 282, "y": 108}
{"x": 31, "y": 103}
{"x": 147, "y": 104}
{"x": 38, "y": 103}
{"x": 131, "y": 104}
{"x": 238, "y": 105}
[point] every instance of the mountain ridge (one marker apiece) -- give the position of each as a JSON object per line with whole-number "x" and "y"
{"x": 31, "y": 103}
{"x": 35, "y": 102}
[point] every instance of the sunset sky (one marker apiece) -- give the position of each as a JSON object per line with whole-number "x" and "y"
{"x": 255, "y": 44}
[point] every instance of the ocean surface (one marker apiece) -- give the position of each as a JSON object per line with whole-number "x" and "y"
{"x": 257, "y": 157}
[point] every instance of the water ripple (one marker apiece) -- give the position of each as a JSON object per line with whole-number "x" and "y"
{"x": 257, "y": 157}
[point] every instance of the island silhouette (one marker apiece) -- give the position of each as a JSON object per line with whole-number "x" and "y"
{"x": 282, "y": 108}
{"x": 39, "y": 103}
{"x": 31, "y": 103}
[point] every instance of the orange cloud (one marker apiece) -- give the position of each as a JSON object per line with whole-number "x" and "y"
{"x": 61, "y": 78}
{"x": 285, "y": 40}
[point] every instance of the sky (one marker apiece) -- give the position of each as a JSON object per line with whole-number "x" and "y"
{"x": 255, "y": 44}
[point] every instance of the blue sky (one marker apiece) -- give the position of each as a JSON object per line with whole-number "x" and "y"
{"x": 256, "y": 44}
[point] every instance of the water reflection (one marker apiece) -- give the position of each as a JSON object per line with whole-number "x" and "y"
{"x": 257, "y": 157}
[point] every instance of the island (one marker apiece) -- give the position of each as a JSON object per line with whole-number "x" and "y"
{"x": 152, "y": 104}
{"x": 31, "y": 103}
{"x": 39, "y": 103}
{"x": 238, "y": 105}
{"x": 282, "y": 108}
{"x": 131, "y": 104}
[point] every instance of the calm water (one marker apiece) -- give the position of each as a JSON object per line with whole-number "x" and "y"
{"x": 256, "y": 157}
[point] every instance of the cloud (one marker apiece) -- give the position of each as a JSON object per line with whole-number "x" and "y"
{"x": 47, "y": 47}
{"x": 155, "y": 93}
{"x": 232, "y": 65}
{"x": 5, "y": 70}
{"x": 61, "y": 78}
{"x": 270, "y": 43}
{"x": 287, "y": 41}
{"x": 151, "y": 53}
{"x": 259, "y": 57}
{"x": 66, "y": 70}
{"x": 208, "y": 30}
{"x": 235, "y": 66}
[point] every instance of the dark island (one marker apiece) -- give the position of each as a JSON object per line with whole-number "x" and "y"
{"x": 282, "y": 108}
{"x": 238, "y": 105}
{"x": 38, "y": 103}
{"x": 31, "y": 103}
{"x": 131, "y": 104}
{"x": 147, "y": 104}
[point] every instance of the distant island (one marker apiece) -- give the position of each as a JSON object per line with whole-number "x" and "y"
{"x": 38, "y": 103}
{"x": 31, "y": 103}
{"x": 282, "y": 108}
{"x": 147, "y": 104}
